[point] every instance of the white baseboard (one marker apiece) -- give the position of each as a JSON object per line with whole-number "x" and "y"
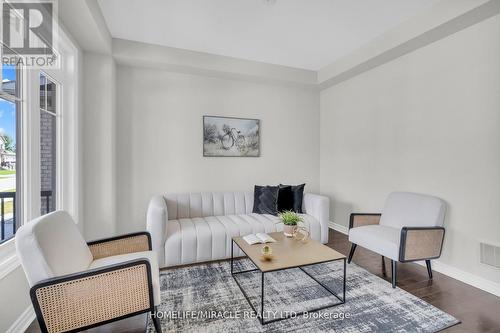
{"x": 465, "y": 277}
{"x": 453, "y": 272}
{"x": 23, "y": 321}
{"x": 338, "y": 227}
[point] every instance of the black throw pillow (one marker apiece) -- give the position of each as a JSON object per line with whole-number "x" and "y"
{"x": 298, "y": 195}
{"x": 265, "y": 200}
{"x": 285, "y": 198}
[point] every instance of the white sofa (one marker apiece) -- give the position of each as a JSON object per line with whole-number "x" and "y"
{"x": 195, "y": 227}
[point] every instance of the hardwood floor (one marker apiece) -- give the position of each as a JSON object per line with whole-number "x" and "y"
{"x": 479, "y": 311}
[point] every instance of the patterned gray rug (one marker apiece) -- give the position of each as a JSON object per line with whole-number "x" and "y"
{"x": 205, "y": 298}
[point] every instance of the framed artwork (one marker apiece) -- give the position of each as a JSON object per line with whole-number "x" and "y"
{"x": 231, "y": 137}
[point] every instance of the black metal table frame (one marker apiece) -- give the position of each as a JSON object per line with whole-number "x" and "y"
{"x": 301, "y": 267}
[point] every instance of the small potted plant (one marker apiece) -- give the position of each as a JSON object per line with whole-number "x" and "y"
{"x": 290, "y": 220}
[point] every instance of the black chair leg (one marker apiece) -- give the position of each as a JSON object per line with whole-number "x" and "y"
{"x": 384, "y": 272}
{"x": 429, "y": 268}
{"x": 353, "y": 248}
{"x": 156, "y": 320}
{"x": 394, "y": 272}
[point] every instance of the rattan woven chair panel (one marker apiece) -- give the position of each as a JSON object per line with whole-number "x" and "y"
{"x": 362, "y": 220}
{"x": 423, "y": 244}
{"x": 115, "y": 247}
{"x": 93, "y": 299}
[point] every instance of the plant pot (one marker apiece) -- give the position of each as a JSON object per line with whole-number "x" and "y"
{"x": 289, "y": 230}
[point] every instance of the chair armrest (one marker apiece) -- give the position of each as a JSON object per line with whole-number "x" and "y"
{"x": 361, "y": 219}
{"x": 421, "y": 243}
{"x": 123, "y": 244}
{"x": 318, "y": 206}
{"x": 86, "y": 299}
{"x": 156, "y": 224}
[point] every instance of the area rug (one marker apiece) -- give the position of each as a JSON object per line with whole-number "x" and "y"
{"x": 205, "y": 298}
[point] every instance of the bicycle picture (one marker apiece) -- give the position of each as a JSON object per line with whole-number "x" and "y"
{"x": 231, "y": 138}
{"x": 226, "y": 136}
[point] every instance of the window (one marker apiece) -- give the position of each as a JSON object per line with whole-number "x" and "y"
{"x": 9, "y": 111}
{"x": 48, "y": 143}
{"x": 39, "y": 109}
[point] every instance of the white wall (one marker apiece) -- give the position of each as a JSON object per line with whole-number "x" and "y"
{"x": 426, "y": 122}
{"x": 99, "y": 121}
{"x": 14, "y": 297}
{"x": 159, "y": 137}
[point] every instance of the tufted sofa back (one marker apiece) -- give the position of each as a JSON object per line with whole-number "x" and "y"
{"x": 203, "y": 204}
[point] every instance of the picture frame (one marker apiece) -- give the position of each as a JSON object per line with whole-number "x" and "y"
{"x": 231, "y": 136}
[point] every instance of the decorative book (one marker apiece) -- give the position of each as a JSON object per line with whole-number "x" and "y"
{"x": 259, "y": 238}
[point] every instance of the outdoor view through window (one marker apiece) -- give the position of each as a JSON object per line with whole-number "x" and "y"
{"x": 8, "y": 156}
{"x": 48, "y": 144}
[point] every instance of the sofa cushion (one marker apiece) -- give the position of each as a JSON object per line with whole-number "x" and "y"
{"x": 298, "y": 197}
{"x": 148, "y": 255}
{"x": 285, "y": 198}
{"x": 383, "y": 240}
{"x": 404, "y": 209}
{"x": 210, "y": 238}
{"x": 202, "y": 204}
{"x": 265, "y": 200}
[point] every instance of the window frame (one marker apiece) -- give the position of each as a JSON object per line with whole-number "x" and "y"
{"x": 58, "y": 114}
{"x": 28, "y": 145}
{"x": 17, "y": 100}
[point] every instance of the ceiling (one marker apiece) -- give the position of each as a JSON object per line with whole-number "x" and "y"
{"x": 308, "y": 34}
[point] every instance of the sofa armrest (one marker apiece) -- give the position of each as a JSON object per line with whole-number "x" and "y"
{"x": 420, "y": 243}
{"x": 123, "y": 244}
{"x": 361, "y": 219}
{"x": 156, "y": 224}
{"x": 89, "y": 298}
{"x": 318, "y": 206}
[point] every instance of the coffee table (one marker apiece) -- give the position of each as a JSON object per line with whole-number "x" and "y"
{"x": 288, "y": 253}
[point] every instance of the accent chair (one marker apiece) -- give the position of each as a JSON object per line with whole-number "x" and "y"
{"x": 77, "y": 285}
{"x": 410, "y": 228}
